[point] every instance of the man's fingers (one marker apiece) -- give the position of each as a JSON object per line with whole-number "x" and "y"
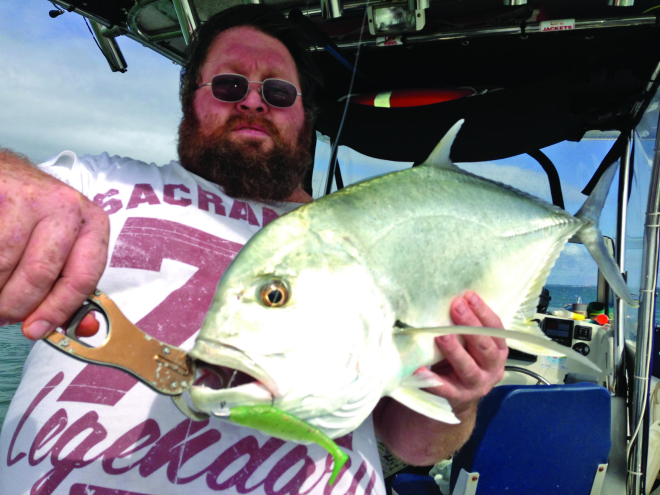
{"x": 483, "y": 313}
{"x": 80, "y": 276}
{"x": 471, "y": 310}
{"x": 37, "y": 269}
{"x": 88, "y": 327}
{"x": 463, "y": 313}
{"x": 14, "y": 236}
{"x": 53, "y": 247}
{"x": 460, "y": 360}
{"x": 485, "y": 351}
{"x": 469, "y": 373}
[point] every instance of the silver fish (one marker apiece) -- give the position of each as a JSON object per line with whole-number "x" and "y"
{"x": 336, "y": 304}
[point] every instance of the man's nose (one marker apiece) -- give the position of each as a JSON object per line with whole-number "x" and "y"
{"x": 253, "y": 102}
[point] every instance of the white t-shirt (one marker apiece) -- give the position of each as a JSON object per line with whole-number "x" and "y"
{"x": 78, "y": 429}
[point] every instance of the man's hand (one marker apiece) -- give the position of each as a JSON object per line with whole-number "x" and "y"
{"x": 467, "y": 374}
{"x": 53, "y": 247}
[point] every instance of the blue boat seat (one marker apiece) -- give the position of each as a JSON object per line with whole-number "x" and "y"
{"x": 414, "y": 484}
{"x": 538, "y": 439}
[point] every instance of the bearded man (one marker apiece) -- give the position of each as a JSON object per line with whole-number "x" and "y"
{"x": 156, "y": 240}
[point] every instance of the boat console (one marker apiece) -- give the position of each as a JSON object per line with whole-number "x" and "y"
{"x": 590, "y": 339}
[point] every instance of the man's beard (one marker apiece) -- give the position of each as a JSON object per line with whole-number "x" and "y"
{"x": 242, "y": 169}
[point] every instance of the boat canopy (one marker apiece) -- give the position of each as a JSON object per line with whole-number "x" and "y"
{"x": 541, "y": 72}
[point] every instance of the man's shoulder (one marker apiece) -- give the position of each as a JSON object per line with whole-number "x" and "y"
{"x": 133, "y": 170}
{"x": 105, "y": 160}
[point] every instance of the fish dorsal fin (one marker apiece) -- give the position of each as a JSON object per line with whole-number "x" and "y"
{"x": 430, "y": 405}
{"x": 530, "y": 327}
{"x": 439, "y": 157}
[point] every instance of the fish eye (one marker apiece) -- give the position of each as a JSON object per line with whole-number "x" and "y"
{"x": 274, "y": 294}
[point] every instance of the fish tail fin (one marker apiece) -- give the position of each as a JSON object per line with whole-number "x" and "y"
{"x": 439, "y": 157}
{"x": 592, "y": 238}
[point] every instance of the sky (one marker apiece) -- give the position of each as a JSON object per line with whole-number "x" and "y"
{"x": 58, "y": 93}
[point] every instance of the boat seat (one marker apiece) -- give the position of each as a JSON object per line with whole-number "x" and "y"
{"x": 538, "y": 439}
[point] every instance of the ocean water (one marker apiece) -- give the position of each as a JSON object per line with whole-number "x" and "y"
{"x": 14, "y": 347}
{"x": 567, "y": 294}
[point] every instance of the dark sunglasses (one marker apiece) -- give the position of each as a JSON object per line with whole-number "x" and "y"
{"x": 232, "y": 88}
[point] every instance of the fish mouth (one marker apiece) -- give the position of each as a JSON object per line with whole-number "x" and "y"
{"x": 220, "y": 377}
{"x": 227, "y": 377}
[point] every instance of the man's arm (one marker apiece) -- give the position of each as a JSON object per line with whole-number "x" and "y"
{"x": 53, "y": 247}
{"x": 467, "y": 374}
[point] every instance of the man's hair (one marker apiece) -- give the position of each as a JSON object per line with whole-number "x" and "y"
{"x": 270, "y": 22}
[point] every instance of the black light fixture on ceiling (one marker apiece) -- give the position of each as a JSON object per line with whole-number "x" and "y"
{"x": 59, "y": 10}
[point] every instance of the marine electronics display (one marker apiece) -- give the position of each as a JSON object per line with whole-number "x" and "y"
{"x": 559, "y": 329}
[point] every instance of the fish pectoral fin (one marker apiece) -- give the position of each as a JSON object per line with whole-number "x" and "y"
{"x": 537, "y": 350}
{"x": 430, "y": 405}
{"x": 531, "y": 328}
{"x": 423, "y": 378}
{"x": 532, "y": 344}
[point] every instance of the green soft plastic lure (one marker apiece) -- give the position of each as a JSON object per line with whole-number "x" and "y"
{"x": 284, "y": 426}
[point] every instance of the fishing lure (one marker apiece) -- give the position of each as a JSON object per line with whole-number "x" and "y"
{"x": 282, "y": 425}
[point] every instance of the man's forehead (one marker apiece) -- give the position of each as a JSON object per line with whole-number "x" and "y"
{"x": 248, "y": 49}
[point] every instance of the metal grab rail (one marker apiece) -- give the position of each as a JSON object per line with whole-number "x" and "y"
{"x": 637, "y": 458}
{"x": 620, "y": 311}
